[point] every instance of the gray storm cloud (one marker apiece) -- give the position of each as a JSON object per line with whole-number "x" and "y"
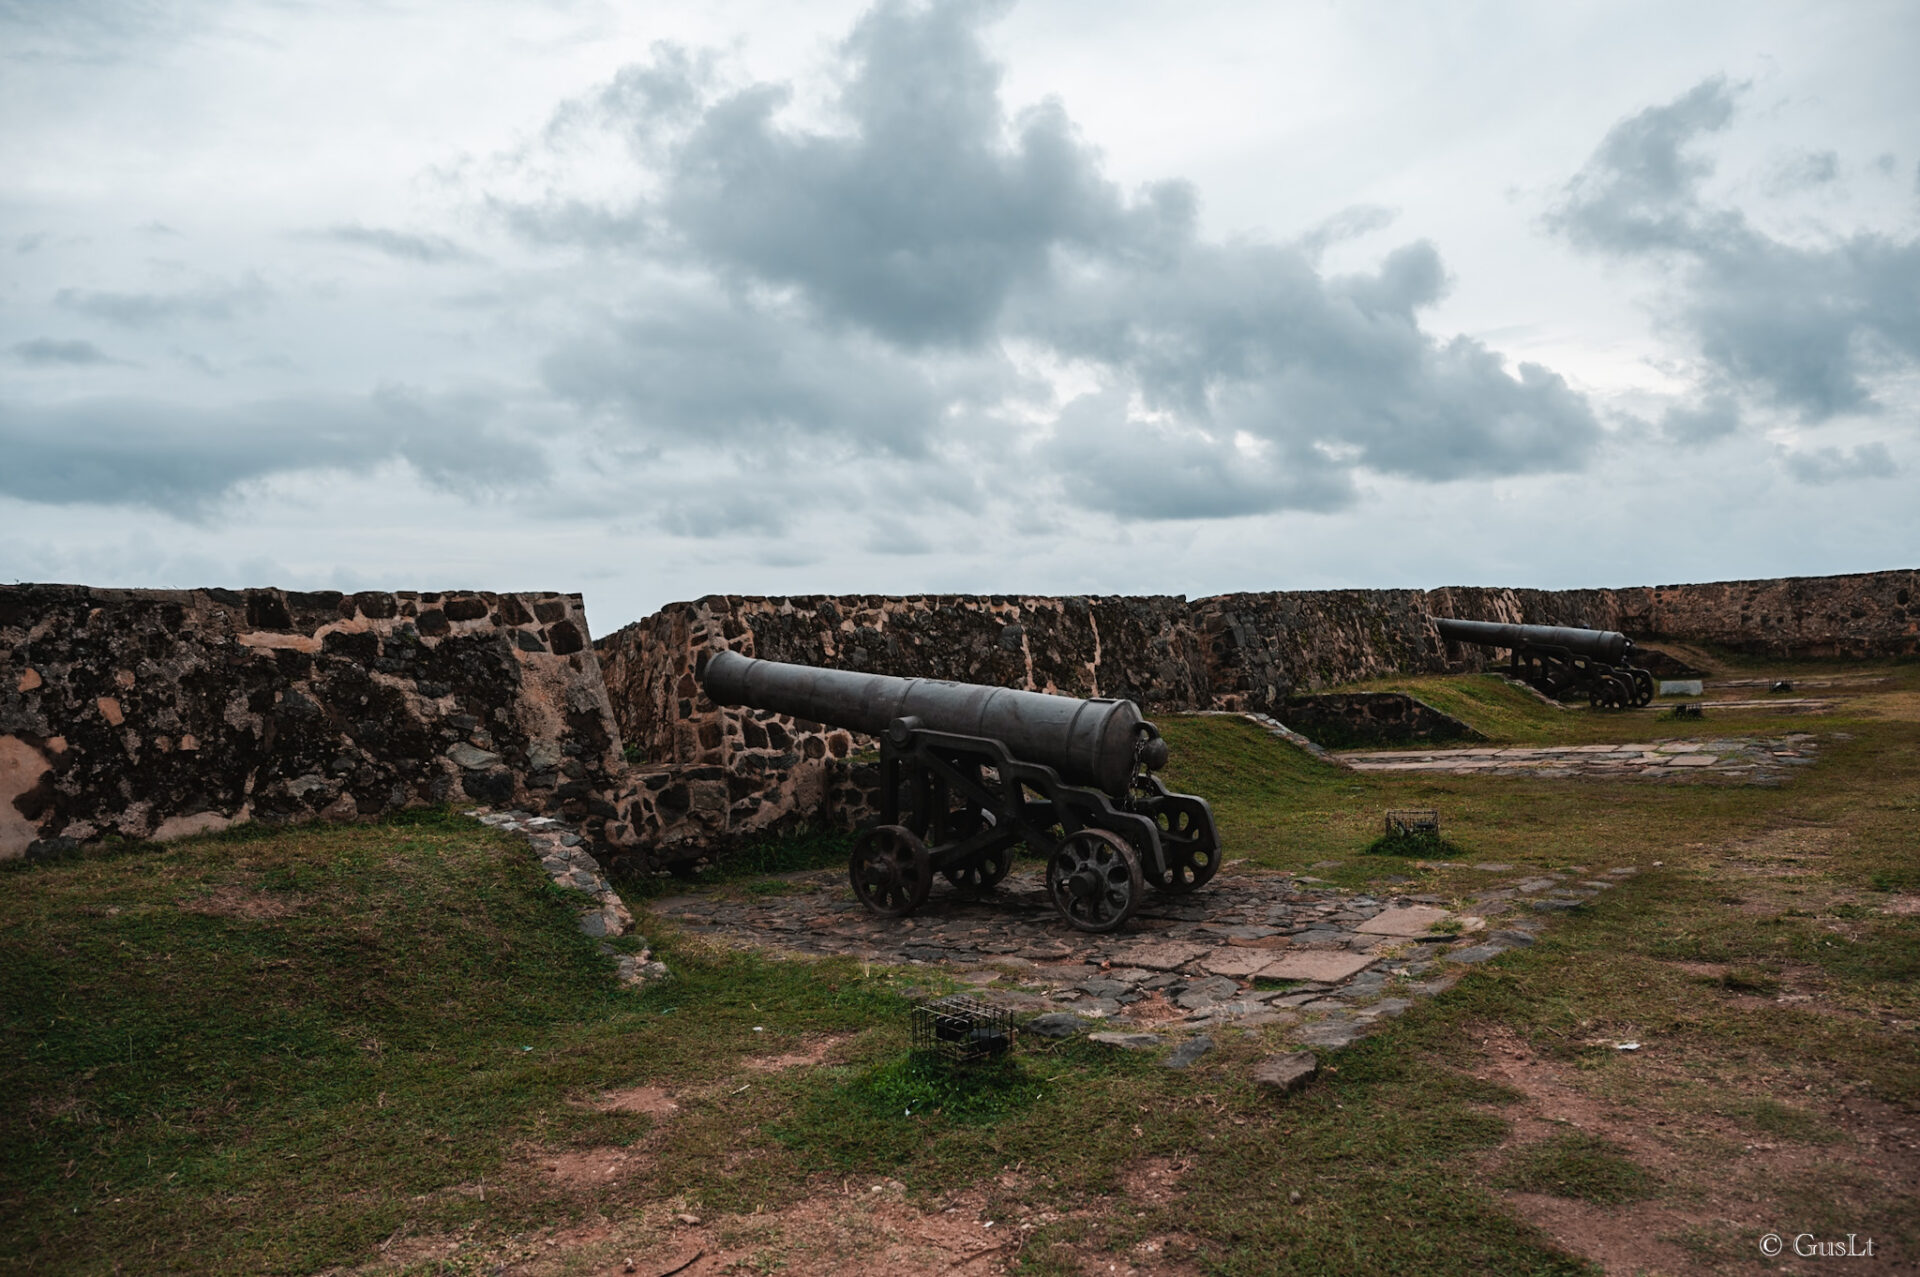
{"x": 1831, "y": 465}
{"x": 50, "y": 352}
{"x": 411, "y": 246}
{"x": 928, "y": 224}
{"x": 217, "y": 303}
{"x": 180, "y": 459}
{"x": 1807, "y": 327}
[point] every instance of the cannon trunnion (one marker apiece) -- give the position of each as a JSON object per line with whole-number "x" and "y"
{"x": 1561, "y": 660}
{"x": 969, "y": 773}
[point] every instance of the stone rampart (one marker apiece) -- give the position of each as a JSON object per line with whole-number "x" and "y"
{"x": 157, "y": 713}
{"x": 1863, "y": 616}
{"x": 151, "y": 713}
{"x": 712, "y": 773}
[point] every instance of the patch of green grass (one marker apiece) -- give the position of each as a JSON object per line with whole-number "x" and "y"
{"x": 1749, "y": 980}
{"x": 1788, "y": 1122}
{"x": 1577, "y": 1165}
{"x": 1420, "y": 843}
{"x": 251, "y": 1053}
{"x": 967, "y": 1093}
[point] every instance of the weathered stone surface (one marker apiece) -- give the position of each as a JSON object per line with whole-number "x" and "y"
{"x": 1126, "y": 1041}
{"x": 1324, "y": 965}
{"x": 1411, "y": 920}
{"x": 1331, "y": 1033}
{"x": 1161, "y": 957}
{"x": 1287, "y": 1072}
{"x": 1237, "y": 962}
{"x": 1055, "y": 1024}
{"x": 161, "y": 713}
{"x": 471, "y": 758}
{"x": 1187, "y": 1052}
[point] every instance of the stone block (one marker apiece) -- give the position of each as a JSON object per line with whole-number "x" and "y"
{"x": 1055, "y": 1024}
{"x": 1329, "y": 966}
{"x": 1126, "y": 1041}
{"x": 1238, "y": 963}
{"x": 1167, "y": 956}
{"x": 1287, "y": 1072}
{"x": 1412, "y": 920}
{"x": 1189, "y": 1051}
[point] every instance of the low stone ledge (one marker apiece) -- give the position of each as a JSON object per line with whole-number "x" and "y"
{"x": 562, "y": 852}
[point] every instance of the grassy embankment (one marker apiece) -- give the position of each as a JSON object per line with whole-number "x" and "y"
{"x": 386, "y": 1046}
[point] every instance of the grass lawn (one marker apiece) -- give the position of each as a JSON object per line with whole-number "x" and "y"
{"x": 385, "y": 1049}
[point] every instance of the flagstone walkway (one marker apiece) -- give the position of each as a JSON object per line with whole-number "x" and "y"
{"x": 1755, "y": 761}
{"x": 1250, "y": 949}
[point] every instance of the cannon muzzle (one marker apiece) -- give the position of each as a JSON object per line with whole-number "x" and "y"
{"x": 1090, "y": 742}
{"x": 1609, "y": 646}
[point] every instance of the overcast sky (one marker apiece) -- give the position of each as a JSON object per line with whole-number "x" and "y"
{"x": 654, "y": 301}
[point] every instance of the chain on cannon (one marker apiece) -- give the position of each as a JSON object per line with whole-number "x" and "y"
{"x": 1562, "y": 661}
{"x": 969, "y": 774}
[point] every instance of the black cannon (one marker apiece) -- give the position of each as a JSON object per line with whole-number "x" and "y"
{"x": 1561, "y": 660}
{"x": 968, "y": 773}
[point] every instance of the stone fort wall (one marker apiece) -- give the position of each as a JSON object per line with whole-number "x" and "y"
{"x": 713, "y": 771}
{"x": 150, "y": 714}
{"x": 158, "y": 713}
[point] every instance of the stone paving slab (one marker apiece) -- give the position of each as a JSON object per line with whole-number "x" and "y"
{"x": 1323, "y": 966}
{"x": 1240, "y": 963}
{"x": 1161, "y": 957}
{"x": 1753, "y": 760}
{"x": 1411, "y": 920}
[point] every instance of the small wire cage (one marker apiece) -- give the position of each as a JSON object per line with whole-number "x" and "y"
{"x": 1415, "y": 821}
{"x": 962, "y": 1030}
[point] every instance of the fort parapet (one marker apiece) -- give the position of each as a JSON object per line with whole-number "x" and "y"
{"x": 150, "y": 714}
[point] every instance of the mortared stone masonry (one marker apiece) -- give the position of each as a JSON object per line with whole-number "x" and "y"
{"x": 152, "y": 714}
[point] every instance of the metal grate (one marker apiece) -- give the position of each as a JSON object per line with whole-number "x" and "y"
{"x": 1417, "y": 821}
{"x": 962, "y": 1029}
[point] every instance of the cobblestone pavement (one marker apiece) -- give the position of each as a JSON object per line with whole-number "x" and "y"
{"x": 1760, "y": 762}
{"x": 1249, "y": 949}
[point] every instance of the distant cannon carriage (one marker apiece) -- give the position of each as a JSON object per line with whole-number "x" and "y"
{"x": 969, "y": 773}
{"x": 1561, "y": 660}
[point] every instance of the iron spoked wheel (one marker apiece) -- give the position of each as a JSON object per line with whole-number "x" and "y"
{"x": 890, "y": 870}
{"x": 1610, "y": 691}
{"x": 1188, "y": 868}
{"x": 1643, "y": 687}
{"x": 983, "y": 872}
{"x": 1094, "y": 880}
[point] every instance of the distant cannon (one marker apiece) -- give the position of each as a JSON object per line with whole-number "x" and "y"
{"x": 968, "y": 773}
{"x": 1559, "y": 659}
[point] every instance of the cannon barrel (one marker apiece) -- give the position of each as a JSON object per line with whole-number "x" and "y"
{"x": 1609, "y": 646}
{"x": 1088, "y": 742}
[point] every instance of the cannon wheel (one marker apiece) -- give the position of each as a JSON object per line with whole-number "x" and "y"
{"x": 1094, "y": 880}
{"x": 1643, "y": 687}
{"x": 1188, "y": 868}
{"x": 982, "y": 872}
{"x": 890, "y": 869}
{"x": 1610, "y": 691}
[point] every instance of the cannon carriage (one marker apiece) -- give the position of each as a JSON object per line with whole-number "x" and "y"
{"x": 1562, "y": 661}
{"x": 971, "y": 773}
